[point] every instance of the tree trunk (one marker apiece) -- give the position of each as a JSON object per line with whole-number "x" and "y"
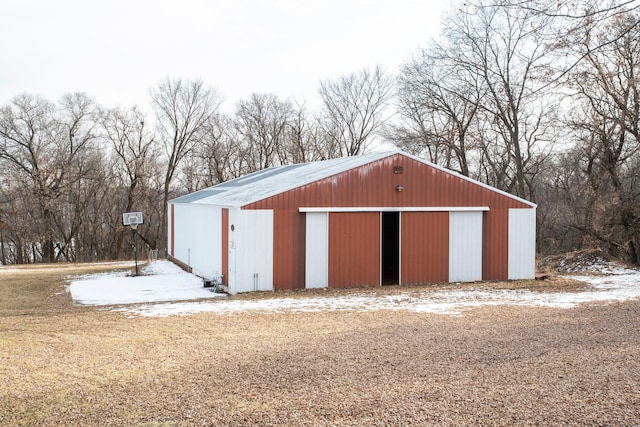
{"x": 3, "y": 256}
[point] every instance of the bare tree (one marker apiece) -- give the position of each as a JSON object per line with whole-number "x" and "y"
{"x": 261, "y": 123}
{"x": 504, "y": 51}
{"x": 438, "y": 102}
{"x": 183, "y": 110}
{"x": 354, "y": 109}
{"x": 606, "y": 120}
{"x": 20, "y": 223}
{"x": 473, "y": 101}
{"x": 220, "y": 155}
{"x": 28, "y": 147}
{"x": 47, "y": 148}
{"x": 216, "y": 159}
{"x": 568, "y": 18}
{"x": 81, "y": 159}
{"x": 134, "y": 147}
{"x": 305, "y": 137}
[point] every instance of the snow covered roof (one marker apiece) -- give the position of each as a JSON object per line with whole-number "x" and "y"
{"x": 271, "y": 181}
{"x": 275, "y": 180}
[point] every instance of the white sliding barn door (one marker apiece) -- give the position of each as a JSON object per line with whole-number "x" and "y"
{"x": 522, "y": 243}
{"x": 465, "y": 246}
{"x": 317, "y": 250}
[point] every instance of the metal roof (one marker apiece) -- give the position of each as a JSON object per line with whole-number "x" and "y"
{"x": 198, "y": 195}
{"x": 269, "y": 182}
{"x": 275, "y": 180}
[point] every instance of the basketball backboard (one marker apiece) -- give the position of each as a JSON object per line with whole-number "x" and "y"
{"x": 132, "y": 218}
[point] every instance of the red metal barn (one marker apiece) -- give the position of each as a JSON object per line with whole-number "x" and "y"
{"x": 384, "y": 218}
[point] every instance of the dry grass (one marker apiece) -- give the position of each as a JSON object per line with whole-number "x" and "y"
{"x": 40, "y": 288}
{"x": 63, "y": 365}
{"x": 552, "y": 284}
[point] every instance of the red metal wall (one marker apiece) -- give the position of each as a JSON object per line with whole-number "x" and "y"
{"x": 495, "y": 242}
{"x": 289, "y": 229}
{"x": 424, "y": 247}
{"x": 374, "y": 185}
{"x": 354, "y": 249}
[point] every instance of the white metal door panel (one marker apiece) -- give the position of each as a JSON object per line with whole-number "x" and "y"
{"x": 170, "y": 229}
{"x": 197, "y": 238}
{"x": 522, "y": 243}
{"x": 465, "y": 246}
{"x": 317, "y": 250}
{"x": 232, "y": 280}
{"x": 253, "y": 236}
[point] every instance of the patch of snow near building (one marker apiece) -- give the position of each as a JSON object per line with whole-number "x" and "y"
{"x": 159, "y": 281}
{"x": 166, "y": 282}
{"x": 595, "y": 265}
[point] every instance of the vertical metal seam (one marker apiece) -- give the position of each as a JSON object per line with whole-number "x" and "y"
{"x": 328, "y": 249}
{"x": 225, "y": 245}
{"x": 399, "y": 248}
{"x": 380, "y": 252}
{"x": 173, "y": 238}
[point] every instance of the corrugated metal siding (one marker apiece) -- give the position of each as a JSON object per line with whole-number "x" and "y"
{"x": 197, "y": 240}
{"x": 522, "y": 248}
{"x": 225, "y": 246}
{"x": 424, "y": 247}
{"x": 254, "y": 253}
{"x": 495, "y": 244}
{"x": 172, "y": 231}
{"x": 374, "y": 185}
{"x": 465, "y": 246}
{"x": 317, "y": 250}
{"x": 354, "y": 249}
{"x": 288, "y": 239}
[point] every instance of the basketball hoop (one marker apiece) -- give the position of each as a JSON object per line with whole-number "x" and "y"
{"x": 133, "y": 219}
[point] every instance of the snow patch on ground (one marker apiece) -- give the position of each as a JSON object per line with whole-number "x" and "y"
{"x": 165, "y": 283}
{"x": 449, "y": 302}
{"x": 582, "y": 261}
{"x": 159, "y": 281}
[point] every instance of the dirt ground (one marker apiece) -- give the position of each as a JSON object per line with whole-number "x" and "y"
{"x": 65, "y": 365}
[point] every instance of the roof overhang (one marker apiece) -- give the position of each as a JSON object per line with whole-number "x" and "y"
{"x": 399, "y": 209}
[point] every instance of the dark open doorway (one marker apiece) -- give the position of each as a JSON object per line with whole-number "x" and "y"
{"x": 390, "y": 248}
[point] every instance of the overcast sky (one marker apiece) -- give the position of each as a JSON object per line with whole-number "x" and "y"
{"x": 116, "y": 50}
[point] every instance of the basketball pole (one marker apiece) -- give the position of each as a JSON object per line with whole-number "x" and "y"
{"x": 134, "y": 231}
{"x": 133, "y": 219}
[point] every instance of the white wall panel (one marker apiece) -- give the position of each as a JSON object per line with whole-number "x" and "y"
{"x": 317, "y": 250}
{"x": 198, "y": 238}
{"x": 169, "y": 229}
{"x": 465, "y": 246}
{"x": 522, "y": 243}
{"x": 251, "y": 247}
